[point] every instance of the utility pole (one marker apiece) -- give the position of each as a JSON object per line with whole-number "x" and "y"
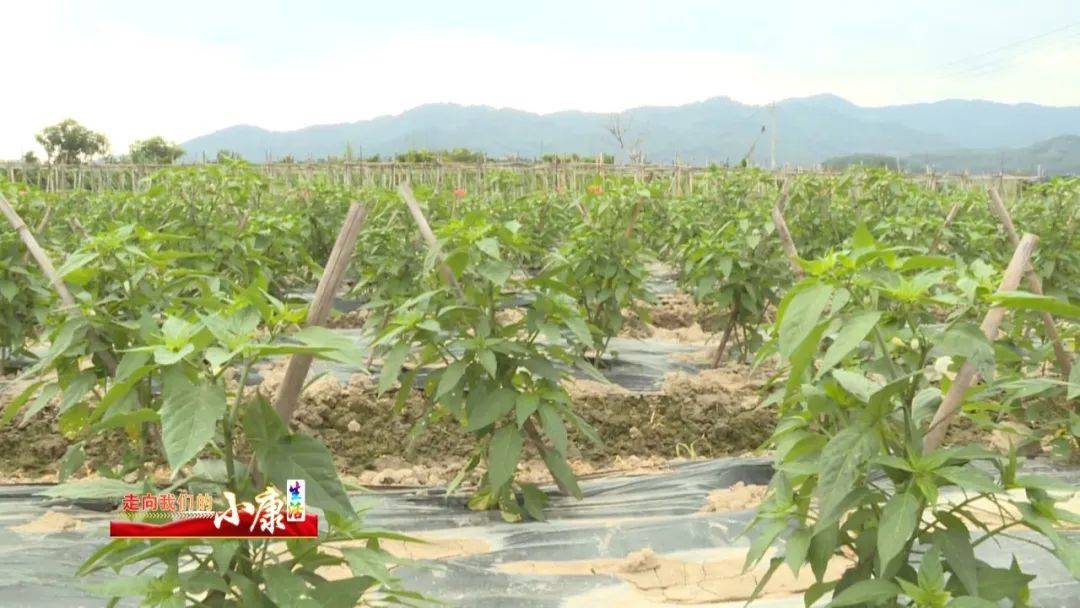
{"x": 772, "y": 137}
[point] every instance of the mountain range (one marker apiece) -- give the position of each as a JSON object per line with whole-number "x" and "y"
{"x": 952, "y": 135}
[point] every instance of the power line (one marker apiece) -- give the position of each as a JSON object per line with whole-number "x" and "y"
{"x": 1012, "y": 44}
{"x": 994, "y": 64}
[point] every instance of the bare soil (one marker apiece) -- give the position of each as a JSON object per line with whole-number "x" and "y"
{"x": 708, "y": 577}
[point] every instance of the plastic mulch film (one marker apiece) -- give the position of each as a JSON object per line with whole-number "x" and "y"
{"x": 633, "y": 541}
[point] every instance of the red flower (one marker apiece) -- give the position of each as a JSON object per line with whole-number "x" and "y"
{"x": 459, "y": 192}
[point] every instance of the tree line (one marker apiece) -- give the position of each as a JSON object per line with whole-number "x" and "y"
{"x": 70, "y": 143}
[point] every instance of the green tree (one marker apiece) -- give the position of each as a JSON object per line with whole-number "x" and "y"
{"x": 30, "y": 158}
{"x": 68, "y": 142}
{"x": 155, "y": 151}
{"x": 225, "y": 155}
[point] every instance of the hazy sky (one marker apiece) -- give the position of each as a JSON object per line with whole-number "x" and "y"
{"x": 133, "y": 69}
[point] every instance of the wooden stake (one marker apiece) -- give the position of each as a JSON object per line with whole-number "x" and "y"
{"x": 955, "y": 397}
{"x": 633, "y": 217}
{"x": 429, "y": 237}
{"x": 49, "y": 271}
{"x": 406, "y": 193}
{"x": 948, "y": 221}
{"x": 1063, "y": 360}
{"x": 321, "y": 305}
{"x": 782, "y": 232}
{"x": 718, "y": 356}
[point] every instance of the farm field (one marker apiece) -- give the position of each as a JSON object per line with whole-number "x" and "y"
{"x": 875, "y": 372}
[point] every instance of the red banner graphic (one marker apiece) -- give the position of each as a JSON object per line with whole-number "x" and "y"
{"x": 204, "y": 527}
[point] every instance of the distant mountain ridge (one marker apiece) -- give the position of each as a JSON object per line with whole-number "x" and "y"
{"x": 809, "y": 130}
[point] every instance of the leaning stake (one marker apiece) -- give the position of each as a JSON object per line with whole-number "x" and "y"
{"x": 784, "y": 234}
{"x": 321, "y": 304}
{"x": 46, "y": 266}
{"x": 429, "y": 237}
{"x": 945, "y": 226}
{"x": 955, "y": 397}
{"x": 998, "y": 207}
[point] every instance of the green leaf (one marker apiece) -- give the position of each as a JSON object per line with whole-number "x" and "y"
{"x": 391, "y": 367}
{"x": 263, "y": 427}
{"x": 13, "y": 407}
{"x": 504, "y": 451}
{"x": 997, "y": 584}
{"x": 767, "y": 533}
{"x": 65, "y": 337}
{"x": 189, "y": 416}
{"x": 1044, "y": 482}
{"x": 223, "y": 551}
{"x": 585, "y": 429}
{"x": 497, "y": 272}
{"x": 801, "y": 316}
{"x": 125, "y": 419}
{"x": 328, "y": 344}
{"x": 286, "y": 588}
{"x": 91, "y": 488}
{"x": 774, "y": 565}
{"x": 40, "y": 402}
{"x": 535, "y": 501}
{"x": 841, "y": 462}
{"x": 201, "y": 581}
{"x": 969, "y": 478}
{"x": 803, "y": 357}
{"x": 560, "y": 469}
{"x": 485, "y": 409}
{"x": 122, "y": 586}
{"x": 822, "y": 546}
{"x": 899, "y": 519}
{"x": 120, "y": 389}
{"x": 129, "y": 363}
{"x": 344, "y": 593}
{"x": 851, "y": 334}
{"x": 866, "y": 592}
{"x": 72, "y": 460}
{"x": 968, "y": 341}
{"x": 488, "y": 362}
{"x": 302, "y": 457}
{"x": 165, "y": 356}
{"x": 796, "y": 548}
{"x": 954, "y": 542}
{"x": 1022, "y": 300}
{"x": 76, "y": 390}
{"x": 370, "y": 562}
{"x": 525, "y": 404}
{"x": 816, "y": 592}
{"x": 581, "y": 330}
{"x": 450, "y": 377}
{"x": 856, "y": 384}
{"x": 490, "y": 246}
{"x": 553, "y": 426}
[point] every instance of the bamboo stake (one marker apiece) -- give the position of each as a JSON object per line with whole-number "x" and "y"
{"x": 718, "y": 356}
{"x": 406, "y": 193}
{"x": 955, "y": 397}
{"x": 321, "y": 305}
{"x": 948, "y": 221}
{"x": 429, "y": 237}
{"x": 41, "y": 226}
{"x": 1063, "y": 360}
{"x": 43, "y": 262}
{"x": 633, "y": 217}
{"x": 785, "y": 236}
